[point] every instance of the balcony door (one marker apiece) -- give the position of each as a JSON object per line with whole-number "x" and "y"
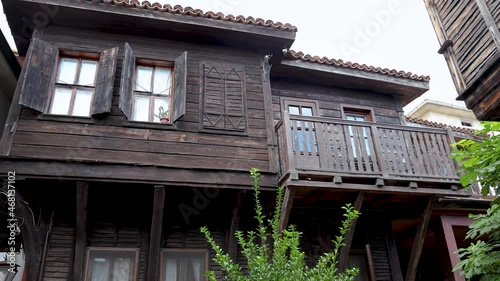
{"x": 304, "y": 141}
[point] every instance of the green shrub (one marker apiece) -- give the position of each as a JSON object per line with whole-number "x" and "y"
{"x": 275, "y": 256}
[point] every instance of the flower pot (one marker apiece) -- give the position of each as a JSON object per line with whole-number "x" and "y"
{"x": 164, "y": 120}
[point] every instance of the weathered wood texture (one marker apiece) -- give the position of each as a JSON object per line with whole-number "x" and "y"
{"x": 385, "y": 108}
{"x": 156, "y": 230}
{"x": 469, "y": 34}
{"x": 352, "y": 147}
{"x": 348, "y": 237}
{"x": 473, "y": 43}
{"x": 82, "y": 190}
{"x": 114, "y": 139}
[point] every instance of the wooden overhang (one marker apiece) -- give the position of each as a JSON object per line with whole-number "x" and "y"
{"x": 406, "y": 89}
{"x": 24, "y": 15}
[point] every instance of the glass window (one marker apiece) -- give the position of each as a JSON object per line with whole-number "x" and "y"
{"x": 111, "y": 264}
{"x": 359, "y": 261}
{"x": 152, "y": 93}
{"x": 74, "y": 88}
{"x": 184, "y": 265}
{"x": 307, "y": 144}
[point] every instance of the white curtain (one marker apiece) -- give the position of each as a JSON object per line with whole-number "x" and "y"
{"x": 121, "y": 269}
{"x": 184, "y": 269}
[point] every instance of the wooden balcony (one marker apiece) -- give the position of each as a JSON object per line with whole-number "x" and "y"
{"x": 339, "y": 151}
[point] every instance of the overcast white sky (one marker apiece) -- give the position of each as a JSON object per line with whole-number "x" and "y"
{"x": 387, "y": 33}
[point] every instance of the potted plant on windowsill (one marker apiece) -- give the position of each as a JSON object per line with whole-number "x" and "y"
{"x": 162, "y": 115}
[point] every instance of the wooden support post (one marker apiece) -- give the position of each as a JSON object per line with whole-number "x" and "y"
{"x": 232, "y": 248}
{"x": 413, "y": 185}
{"x": 344, "y": 252}
{"x": 287, "y": 207}
{"x": 155, "y": 236}
{"x": 337, "y": 179}
{"x": 418, "y": 243}
{"x": 82, "y": 191}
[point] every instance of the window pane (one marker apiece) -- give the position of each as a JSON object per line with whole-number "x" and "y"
{"x": 141, "y": 109}
{"x": 82, "y": 103}
{"x": 143, "y": 81}
{"x": 160, "y": 102}
{"x": 359, "y": 261}
{"x": 87, "y": 73}
{"x": 109, "y": 265}
{"x": 61, "y": 101}
{"x": 184, "y": 266}
{"x": 162, "y": 81}
{"x": 360, "y": 118}
{"x": 67, "y": 71}
{"x": 293, "y": 110}
{"x": 307, "y": 111}
{"x": 351, "y": 117}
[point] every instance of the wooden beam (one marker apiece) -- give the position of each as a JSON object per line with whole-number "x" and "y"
{"x": 232, "y": 248}
{"x": 156, "y": 230}
{"x": 287, "y": 207}
{"x": 82, "y": 191}
{"x": 344, "y": 252}
{"x": 418, "y": 243}
{"x": 490, "y": 22}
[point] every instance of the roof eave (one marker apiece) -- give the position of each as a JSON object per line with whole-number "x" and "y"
{"x": 408, "y": 89}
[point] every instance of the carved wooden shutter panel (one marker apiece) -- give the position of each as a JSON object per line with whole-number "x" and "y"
{"x": 105, "y": 82}
{"x": 41, "y": 63}
{"x": 127, "y": 82}
{"x": 223, "y": 98}
{"x": 179, "y": 93}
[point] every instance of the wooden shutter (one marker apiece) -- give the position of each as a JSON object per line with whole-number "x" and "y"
{"x": 105, "y": 82}
{"x": 179, "y": 94}
{"x": 223, "y": 98}
{"x": 37, "y": 82}
{"x": 127, "y": 83}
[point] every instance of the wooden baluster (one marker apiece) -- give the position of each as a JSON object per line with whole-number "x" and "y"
{"x": 289, "y": 154}
{"x": 377, "y": 146}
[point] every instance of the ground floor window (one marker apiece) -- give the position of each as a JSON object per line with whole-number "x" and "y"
{"x": 184, "y": 265}
{"x": 111, "y": 264}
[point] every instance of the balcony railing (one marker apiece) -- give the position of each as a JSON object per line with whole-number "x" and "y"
{"x": 317, "y": 144}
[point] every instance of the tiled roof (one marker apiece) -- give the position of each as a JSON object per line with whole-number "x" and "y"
{"x": 177, "y": 9}
{"x": 439, "y": 125}
{"x": 340, "y": 63}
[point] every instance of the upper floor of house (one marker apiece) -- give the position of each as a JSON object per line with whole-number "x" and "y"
{"x": 468, "y": 32}
{"x": 143, "y": 85}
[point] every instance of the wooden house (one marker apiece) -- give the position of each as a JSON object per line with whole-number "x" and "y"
{"x": 468, "y": 32}
{"x": 109, "y": 191}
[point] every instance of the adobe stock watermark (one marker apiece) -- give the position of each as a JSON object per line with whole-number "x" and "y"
{"x": 12, "y": 223}
{"x": 226, "y": 6}
{"x": 201, "y": 200}
{"x": 40, "y": 18}
{"x": 373, "y": 28}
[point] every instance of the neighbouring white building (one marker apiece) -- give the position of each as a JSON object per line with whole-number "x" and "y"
{"x": 445, "y": 113}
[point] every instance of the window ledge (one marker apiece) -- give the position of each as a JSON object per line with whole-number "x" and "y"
{"x": 149, "y": 125}
{"x": 66, "y": 118}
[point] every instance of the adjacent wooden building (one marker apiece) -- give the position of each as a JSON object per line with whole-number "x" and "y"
{"x": 468, "y": 32}
{"x": 133, "y": 124}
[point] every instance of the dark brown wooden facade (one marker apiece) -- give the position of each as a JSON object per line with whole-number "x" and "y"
{"x": 468, "y": 32}
{"x": 107, "y": 182}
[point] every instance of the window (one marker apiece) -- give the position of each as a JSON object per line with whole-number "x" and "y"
{"x": 70, "y": 83}
{"x": 303, "y": 108}
{"x": 153, "y": 87}
{"x": 148, "y": 84}
{"x": 466, "y": 124}
{"x": 111, "y": 264}
{"x": 363, "y": 114}
{"x": 224, "y": 102}
{"x": 74, "y": 87}
{"x": 184, "y": 265}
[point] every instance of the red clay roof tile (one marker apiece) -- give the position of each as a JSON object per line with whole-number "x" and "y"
{"x": 177, "y": 9}
{"x": 440, "y": 125}
{"x": 340, "y": 63}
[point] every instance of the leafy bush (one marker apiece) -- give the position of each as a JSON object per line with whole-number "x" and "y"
{"x": 480, "y": 161}
{"x": 275, "y": 256}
